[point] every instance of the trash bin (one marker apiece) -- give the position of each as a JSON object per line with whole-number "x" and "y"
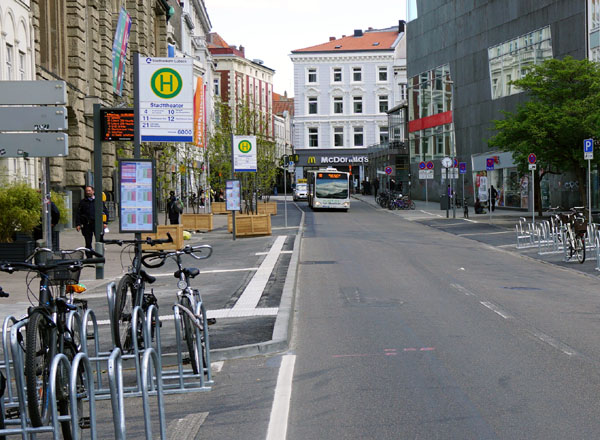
{"x": 444, "y": 202}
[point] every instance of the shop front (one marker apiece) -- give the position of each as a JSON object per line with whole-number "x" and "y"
{"x": 498, "y": 169}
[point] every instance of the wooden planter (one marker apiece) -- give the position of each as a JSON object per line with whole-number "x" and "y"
{"x": 17, "y": 251}
{"x": 176, "y": 232}
{"x": 267, "y": 208}
{"x": 248, "y": 225}
{"x": 197, "y": 222}
{"x": 218, "y": 208}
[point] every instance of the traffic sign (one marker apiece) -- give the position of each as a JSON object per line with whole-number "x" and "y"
{"x": 36, "y": 144}
{"x": 462, "y": 168}
{"x": 430, "y": 165}
{"x": 421, "y": 165}
{"x": 446, "y": 162}
{"x": 588, "y": 149}
{"x": 455, "y": 163}
{"x": 34, "y": 118}
{"x": 166, "y": 99}
{"x": 532, "y": 158}
{"x": 532, "y": 166}
{"x": 388, "y": 170}
{"x": 426, "y": 174}
{"x": 489, "y": 164}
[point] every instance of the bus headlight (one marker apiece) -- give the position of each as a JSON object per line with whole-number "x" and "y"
{"x": 317, "y": 204}
{"x": 346, "y": 204}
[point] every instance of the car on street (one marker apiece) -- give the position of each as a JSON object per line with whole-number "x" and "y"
{"x": 300, "y": 192}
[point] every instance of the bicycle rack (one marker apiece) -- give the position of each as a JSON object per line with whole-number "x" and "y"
{"x": 9, "y": 398}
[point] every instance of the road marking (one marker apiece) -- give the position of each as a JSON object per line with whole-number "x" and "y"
{"x": 461, "y": 289}
{"x": 243, "y": 269}
{"x": 494, "y": 308}
{"x": 486, "y": 233}
{"x": 265, "y": 253}
{"x": 507, "y": 245}
{"x": 431, "y": 213}
{"x": 553, "y": 342}
{"x": 471, "y": 221}
{"x": 278, "y": 422}
{"x": 284, "y": 227}
{"x": 254, "y": 290}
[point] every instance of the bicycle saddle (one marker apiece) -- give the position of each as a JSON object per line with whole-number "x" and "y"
{"x": 190, "y": 272}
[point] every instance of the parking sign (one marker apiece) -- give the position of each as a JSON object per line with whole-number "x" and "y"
{"x": 588, "y": 149}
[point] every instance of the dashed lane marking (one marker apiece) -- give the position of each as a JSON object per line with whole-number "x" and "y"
{"x": 494, "y": 308}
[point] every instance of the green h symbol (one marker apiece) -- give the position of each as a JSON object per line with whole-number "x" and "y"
{"x": 163, "y": 83}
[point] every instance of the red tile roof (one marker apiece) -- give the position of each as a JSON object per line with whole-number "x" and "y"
{"x": 282, "y": 103}
{"x": 215, "y": 40}
{"x": 370, "y": 40}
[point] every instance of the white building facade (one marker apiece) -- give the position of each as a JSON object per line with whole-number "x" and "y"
{"x": 343, "y": 89}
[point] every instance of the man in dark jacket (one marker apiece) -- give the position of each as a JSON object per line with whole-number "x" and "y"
{"x": 85, "y": 220}
{"x": 173, "y": 208}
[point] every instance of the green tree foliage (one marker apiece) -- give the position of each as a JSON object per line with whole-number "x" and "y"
{"x": 20, "y": 206}
{"x": 245, "y": 121}
{"x": 563, "y": 110}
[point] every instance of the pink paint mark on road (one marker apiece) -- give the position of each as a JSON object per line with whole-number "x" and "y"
{"x": 410, "y": 349}
{"x": 391, "y": 353}
{"x": 427, "y": 349}
{"x": 352, "y": 355}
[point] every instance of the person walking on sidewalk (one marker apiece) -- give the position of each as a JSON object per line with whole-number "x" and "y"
{"x": 85, "y": 219}
{"x": 376, "y": 186}
{"x": 174, "y": 208}
{"x": 493, "y": 196}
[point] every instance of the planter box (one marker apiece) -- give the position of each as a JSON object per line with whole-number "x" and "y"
{"x": 197, "y": 222}
{"x": 267, "y": 208}
{"x": 176, "y": 232}
{"x": 248, "y": 225}
{"x": 218, "y": 208}
{"x": 16, "y": 251}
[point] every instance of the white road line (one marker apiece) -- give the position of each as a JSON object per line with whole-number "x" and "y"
{"x": 284, "y": 227}
{"x": 431, "y": 213}
{"x": 554, "y": 343}
{"x": 254, "y": 290}
{"x": 461, "y": 289}
{"x": 242, "y": 269}
{"x": 507, "y": 245}
{"x": 471, "y": 221}
{"x": 486, "y": 233}
{"x": 278, "y": 422}
{"x": 494, "y": 308}
{"x": 265, "y": 253}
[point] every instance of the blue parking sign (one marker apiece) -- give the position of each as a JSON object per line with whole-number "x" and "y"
{"x": 588, "y": 145}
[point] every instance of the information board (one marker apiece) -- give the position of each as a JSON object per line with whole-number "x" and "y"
{"x": 244, "y": 153}
{"x": 166, "y": 99}
{"x": 233, "y": 196}
{"x": 137, "y": 207}
{"x": 117, "y": 124}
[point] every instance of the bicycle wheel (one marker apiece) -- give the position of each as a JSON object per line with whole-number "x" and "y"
{"x": 190, "y": 335}
{"x": 123, "y": 311}
{"x": 40, "y": 346}
{"x": 580, "y": 249}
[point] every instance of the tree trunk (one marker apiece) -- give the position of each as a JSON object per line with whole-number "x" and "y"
{"x": 537, "y": 184}
{"x": 582, "y": 178}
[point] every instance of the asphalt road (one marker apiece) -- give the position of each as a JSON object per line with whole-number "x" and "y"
{"x": 404, "y": 331}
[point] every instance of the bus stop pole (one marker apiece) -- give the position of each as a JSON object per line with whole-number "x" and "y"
{"x": 285, "y": 193}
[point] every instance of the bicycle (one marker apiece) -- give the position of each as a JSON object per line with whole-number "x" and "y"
{"x": 130, "y": 293}
{"x": 48, "y": 333}
{"x": 188, "y": 298}
{"x": 3, "y": 294}
{"x": 576, "y": 229}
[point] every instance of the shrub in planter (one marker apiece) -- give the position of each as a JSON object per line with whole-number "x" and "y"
{"x": 19, "y": 210}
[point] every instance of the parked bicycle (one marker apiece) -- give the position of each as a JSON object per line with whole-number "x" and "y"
{"x": 398, "y": 201}
{"x": 131, "y": 293}
{"x": 188, "y": 298}
{"x": 3, "y": 294}
{"x": 576, "y": 230}
{"x": 48, "y": 332}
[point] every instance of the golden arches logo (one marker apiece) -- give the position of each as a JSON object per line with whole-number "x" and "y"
{"x": 312, "y": 160}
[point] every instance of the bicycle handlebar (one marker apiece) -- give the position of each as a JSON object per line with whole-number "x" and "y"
{"x": 147, "y": 240}
{"x": 11, "y": 267}
{"x": 3, "y": 294}
{"x": 162, "y": 255}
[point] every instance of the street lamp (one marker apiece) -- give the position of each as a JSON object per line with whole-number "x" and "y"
{"x": 453, "y": 146}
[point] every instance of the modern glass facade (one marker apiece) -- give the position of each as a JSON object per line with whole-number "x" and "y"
{"x": 430, "y": 115}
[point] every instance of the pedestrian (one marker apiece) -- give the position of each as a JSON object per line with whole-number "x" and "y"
{"x": 174, "y": 208}
{"x": 54, "y": 219}
{"x": 478, "y": 207}
{"x": 376, "y": 186}
{"x": 85, "y": 220}
{"x": 493, "y": 196}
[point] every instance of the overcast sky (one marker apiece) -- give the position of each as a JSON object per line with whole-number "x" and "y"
{"x": 271, "y": 29}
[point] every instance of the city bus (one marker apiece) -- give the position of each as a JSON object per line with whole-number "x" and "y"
{"x": 329, "y": 189}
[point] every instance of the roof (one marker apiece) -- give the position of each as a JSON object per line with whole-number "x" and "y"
{"x": 282, "y": 103}
{"x": 371, "y": 40}
{"x": 215, "y": 40}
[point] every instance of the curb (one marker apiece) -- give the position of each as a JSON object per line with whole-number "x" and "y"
{"x": 283, "y": 323}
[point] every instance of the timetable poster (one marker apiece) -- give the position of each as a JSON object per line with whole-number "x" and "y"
{"x": 137, "y": 195}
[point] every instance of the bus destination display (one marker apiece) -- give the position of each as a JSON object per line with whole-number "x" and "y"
{"x": 329, "y": 176}
{"x": 117, "y": 124}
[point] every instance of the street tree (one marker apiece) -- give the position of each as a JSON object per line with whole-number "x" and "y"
{"x": 563, "y": 109}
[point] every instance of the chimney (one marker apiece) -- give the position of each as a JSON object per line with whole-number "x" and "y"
{"x": 370, "y": 28}
{"x": 358, "y": 32}
{"x": 331, "y": 38}
{"x": 243, "y": 50}
{"x": 401, "y": 25}
{"x": 343, "y": 36}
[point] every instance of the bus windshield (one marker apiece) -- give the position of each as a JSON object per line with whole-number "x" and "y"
{"x": 332, "y": 188}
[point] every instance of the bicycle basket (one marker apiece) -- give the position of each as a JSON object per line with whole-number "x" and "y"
{"x": 580, "y": 226}
{"x": 63, "y": 275}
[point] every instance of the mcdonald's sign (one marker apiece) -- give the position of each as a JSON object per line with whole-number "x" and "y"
{"x": 312, "y": 160}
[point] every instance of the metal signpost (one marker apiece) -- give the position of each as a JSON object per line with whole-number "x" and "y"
{"x": 35, "y": 131}
{"x": 462, "y": 169}
{"x": 447, "y": 163}
{"x": 489, "y": 166}
{"x": 532, "y": 166}
{"x": 243, "y": 158}
{"x": 588, "y": 154}
{"x": 388, "y": 171}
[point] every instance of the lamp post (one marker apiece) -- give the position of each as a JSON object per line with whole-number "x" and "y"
{"x": 453, "y": 146}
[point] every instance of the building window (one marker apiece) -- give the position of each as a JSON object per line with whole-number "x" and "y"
{"x": 384, "y": 135}
{"x": 338, "y": 104}
{"x": 383, "y": 103}
{"x": 403, "y": 95}
{"x": 337, "y": 74}
{"x": 358, "y": 137}
{"x": 9, "y": 61}
{"x": 217, "y": 87}
{"x": 358, "y": 104}
{"x": 338, "y": 136}
{"x": 357, "y": 74}
{"x": 312, "y": 75}
{"x": 313, "y": 137}
{"x": 312, "y": 106}
{"x": 382, "y": 74}
{"x": 21, "y": 65}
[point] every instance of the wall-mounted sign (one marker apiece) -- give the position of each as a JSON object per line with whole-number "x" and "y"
{"x": 117, "y": 124}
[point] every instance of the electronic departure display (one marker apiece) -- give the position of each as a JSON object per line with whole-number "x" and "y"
{"x": 330, "y": 176}
{"x": 117, "y": 124}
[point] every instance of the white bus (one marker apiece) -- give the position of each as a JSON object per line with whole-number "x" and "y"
{"x": 329, "y": 189}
